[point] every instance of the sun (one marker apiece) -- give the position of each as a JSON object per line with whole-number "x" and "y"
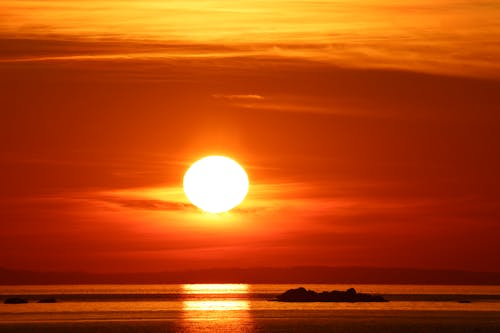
{"x": 216, "y": 184}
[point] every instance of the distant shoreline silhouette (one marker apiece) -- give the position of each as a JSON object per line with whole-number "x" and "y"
{"x": 298, "y": 275}
{"x": 350, "y": 295}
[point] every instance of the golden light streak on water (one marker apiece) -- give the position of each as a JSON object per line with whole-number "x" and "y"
{"x": 226, "y": 288}
{"x": 210, "y": 314}
{"x": 216, "y": 305}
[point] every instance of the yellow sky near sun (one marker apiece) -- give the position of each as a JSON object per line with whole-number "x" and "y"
{"x": 458, "y": 37}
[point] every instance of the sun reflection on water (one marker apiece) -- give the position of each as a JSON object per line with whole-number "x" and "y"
{"x": 223, "y": 288}
{"x": 207, "y": 310}
{"x": 215, "y": 305}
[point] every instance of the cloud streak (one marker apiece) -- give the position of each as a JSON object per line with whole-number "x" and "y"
{"x": 452, "y": 37}
{"x": 250, "y": 97}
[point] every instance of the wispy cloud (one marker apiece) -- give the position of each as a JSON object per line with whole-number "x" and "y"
{"x": 452, "y": 37}
{"x": 258, "y": 102}
{"x": 233, "y": 97}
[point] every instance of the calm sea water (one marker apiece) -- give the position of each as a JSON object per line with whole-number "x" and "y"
{"x": 247, "y": 308}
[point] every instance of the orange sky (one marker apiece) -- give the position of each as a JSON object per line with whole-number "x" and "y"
{"x": 370, "y": 133}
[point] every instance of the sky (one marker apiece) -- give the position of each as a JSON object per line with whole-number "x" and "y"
{"x": 369, "y": 130}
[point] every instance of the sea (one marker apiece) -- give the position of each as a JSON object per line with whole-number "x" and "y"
{"x": 212, "y": 308}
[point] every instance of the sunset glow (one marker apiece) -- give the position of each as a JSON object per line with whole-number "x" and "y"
{"x": 250, "y": 166}
{"x": 361, "y": 133}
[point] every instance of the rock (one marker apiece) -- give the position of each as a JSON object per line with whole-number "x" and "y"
{"x": 47, "y": 300}
{"x": 15, "y": 300}
{"x": 351, "y": 291}
{"x": 350, "y": 295}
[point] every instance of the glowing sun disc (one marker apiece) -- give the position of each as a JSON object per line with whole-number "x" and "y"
{"x": 216, "y": 184}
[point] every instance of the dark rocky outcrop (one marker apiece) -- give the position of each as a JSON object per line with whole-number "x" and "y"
{"x": 350, "y": 295}
{"x": 15, "y": 300}
{"x": 47, "y": 300}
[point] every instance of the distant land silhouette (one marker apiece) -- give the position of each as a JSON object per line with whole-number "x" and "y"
{"x": 350, "y": 295}
{"x": 303, "y": 274}
{"x": 15, "y": 300}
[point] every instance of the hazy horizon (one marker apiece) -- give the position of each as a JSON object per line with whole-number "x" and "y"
{"x": 266, "y": 275}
